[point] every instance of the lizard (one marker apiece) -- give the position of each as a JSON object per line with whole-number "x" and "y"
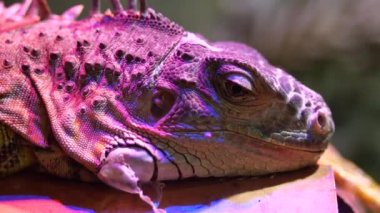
{"x": 129, "y": 97}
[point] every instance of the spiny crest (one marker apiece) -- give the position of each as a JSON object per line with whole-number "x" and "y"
{"x": 112, "y": 49}
{"x": 30, "y": 12}
{"x": 119, "y": 49}
{"x": 145, "y": 15}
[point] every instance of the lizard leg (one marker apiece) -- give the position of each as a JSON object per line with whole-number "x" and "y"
{"x": 15, "y": 154}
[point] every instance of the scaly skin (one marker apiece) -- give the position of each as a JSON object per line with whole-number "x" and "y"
{"x": 137, "y": 85}
{"x": 15, "y": 154}
{"x": 134, "y": 98}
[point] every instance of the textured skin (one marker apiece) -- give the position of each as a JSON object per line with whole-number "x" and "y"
{"x": 15, "y": 154}
{"x": 133, "y": 98}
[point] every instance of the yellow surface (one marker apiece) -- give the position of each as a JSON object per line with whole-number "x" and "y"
{"x": 352, "y": 179}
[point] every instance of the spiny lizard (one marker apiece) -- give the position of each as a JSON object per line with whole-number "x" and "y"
{"x": 131, "y": 97}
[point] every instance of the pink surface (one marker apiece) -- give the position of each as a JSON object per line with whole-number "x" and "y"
{"x": 35, "y": 206}
{"x": 308, "y": 190}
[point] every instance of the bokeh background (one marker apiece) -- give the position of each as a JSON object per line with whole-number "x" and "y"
{"x": 331, "y": 46}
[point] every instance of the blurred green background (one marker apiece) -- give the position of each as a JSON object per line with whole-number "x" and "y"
{"x": 331, "y": 46}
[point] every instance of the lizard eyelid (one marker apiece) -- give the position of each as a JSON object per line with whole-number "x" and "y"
{"x": 241, "y": 81}
{"x": 237, "y": 88}
{"x": 235, "y": 84}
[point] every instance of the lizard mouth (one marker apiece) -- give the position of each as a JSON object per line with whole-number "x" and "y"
{"x": 314, "y": 138}
{"x": 292, "y": 136}
{"x": 300, "y": 140}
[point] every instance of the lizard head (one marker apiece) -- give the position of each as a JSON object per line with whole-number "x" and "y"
{"x": 220, "y": 109}
{"x": 227, "y": 111}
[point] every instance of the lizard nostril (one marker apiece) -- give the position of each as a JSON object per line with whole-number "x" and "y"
{"x": 321, "y": 126}
{"x": 321, "y": 120}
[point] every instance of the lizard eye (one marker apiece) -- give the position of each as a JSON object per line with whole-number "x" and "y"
{"x": 235, "y": 84}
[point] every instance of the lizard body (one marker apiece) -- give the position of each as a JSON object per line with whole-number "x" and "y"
{"x": 132, "y": 97}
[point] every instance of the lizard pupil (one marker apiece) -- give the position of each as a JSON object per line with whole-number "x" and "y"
{"x": 234, "y": 90}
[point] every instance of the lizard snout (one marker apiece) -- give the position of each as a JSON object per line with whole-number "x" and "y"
{"x": 321, "y": 126}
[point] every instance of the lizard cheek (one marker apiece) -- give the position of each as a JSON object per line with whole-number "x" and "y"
{"x": 162, "y": 102}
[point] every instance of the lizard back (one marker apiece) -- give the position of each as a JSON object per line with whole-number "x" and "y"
{"x": 56, "y": 65}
